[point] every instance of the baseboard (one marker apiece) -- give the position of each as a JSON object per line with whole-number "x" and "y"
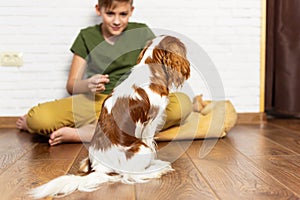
{"x": 243, "y": 118}
{"x": 8, "y": 122}
{"x": 252, "y": 118}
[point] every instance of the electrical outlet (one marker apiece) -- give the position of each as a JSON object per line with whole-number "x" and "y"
{"x": 11, "y": 59}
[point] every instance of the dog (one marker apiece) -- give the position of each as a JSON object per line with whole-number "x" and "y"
{"x": 123, "y": 147}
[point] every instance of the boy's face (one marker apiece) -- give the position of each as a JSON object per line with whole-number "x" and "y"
{"x": 114, "y": 19}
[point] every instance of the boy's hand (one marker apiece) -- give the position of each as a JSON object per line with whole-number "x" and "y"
{"x": 97, "y": 83}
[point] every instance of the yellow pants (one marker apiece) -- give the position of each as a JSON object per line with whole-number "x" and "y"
{"x": 79, "y": 110}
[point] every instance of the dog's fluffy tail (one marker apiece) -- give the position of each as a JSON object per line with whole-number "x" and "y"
{"x": 67, "y": 184}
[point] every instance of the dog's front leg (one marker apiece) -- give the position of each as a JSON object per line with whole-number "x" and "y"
{"x": 150, "y": 129}
{"x": 147, "y": 136}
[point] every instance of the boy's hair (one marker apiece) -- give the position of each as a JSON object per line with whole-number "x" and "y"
{"x": 109, "y": 3}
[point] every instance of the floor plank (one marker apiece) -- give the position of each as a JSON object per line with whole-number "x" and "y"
{"x": 283, "y": 168}
{"x": 289, "y": 124}
{"x": 13, "y": 145}
{"x": 269, "y": 148}
{"x": 251, "y": 142}
{"x": 83, "y": 153}
{"x": 283, "y": 137}
{"x": 106, "y": 191}
{"x": 43, "y": 151}
{"x": 232, "y": 176}
{"x": 184, "y": 183}
{"x": 259, "y": 161}
{"x": 27, "y": 174}
{"x": 29, "y": 163}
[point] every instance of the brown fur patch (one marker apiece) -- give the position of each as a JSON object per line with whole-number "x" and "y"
{"x": 159, "y": 79}
{"x": 118, "y": 127}
{"x": 170, "y": 54}
{"x": 175, "y": 61}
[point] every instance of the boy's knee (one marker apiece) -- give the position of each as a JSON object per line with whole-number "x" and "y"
{"x": 181, "y": 105}
{"x": 39, "y": 120}
{"x": 178, "y": 109}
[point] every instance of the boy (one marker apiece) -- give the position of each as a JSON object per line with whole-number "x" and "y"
{"x": 104, "y": 54}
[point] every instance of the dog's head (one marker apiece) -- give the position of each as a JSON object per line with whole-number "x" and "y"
{"x": 170, "y": 52}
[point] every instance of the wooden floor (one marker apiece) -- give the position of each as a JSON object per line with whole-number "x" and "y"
{"x": 252, "y": 162}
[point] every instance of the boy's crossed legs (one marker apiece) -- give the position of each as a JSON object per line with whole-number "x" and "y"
{"x": 73, "y": 119}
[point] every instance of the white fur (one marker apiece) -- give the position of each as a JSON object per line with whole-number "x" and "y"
{"x": 140, "y": 168}
{"x": 67, "y": 184}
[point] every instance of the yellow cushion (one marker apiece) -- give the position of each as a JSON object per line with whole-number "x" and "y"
{"x": 214, "y": 121}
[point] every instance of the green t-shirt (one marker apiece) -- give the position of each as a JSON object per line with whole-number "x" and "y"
{"x": 115, "y": 60}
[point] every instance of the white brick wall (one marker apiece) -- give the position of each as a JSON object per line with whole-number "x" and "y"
{"x": 227, "y": 30}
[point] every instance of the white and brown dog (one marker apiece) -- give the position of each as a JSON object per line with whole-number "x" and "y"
{"x": 123, "y": 146}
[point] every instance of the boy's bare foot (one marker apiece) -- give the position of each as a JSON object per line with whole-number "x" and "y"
{"x": 64, "y": 134}
{"x": 21, "y": 123}
{"x": 68, "y": 134}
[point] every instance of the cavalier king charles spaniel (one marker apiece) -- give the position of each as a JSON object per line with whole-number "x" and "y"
{"x": 123, "y": 147}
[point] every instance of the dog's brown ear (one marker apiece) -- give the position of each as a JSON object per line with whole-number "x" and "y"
{"x": 141, "y": 55}
{"x": 175, "y": 61}
{"x": 177, "y": 67}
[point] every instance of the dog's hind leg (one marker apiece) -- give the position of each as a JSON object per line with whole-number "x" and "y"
{"x": 85, "y": 166}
